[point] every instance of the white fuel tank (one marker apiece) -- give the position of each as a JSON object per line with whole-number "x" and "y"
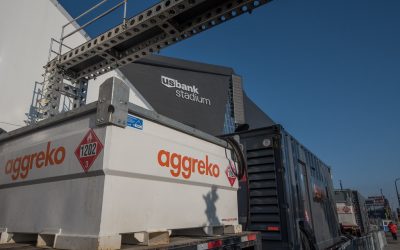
{"x": 87, "y": 185}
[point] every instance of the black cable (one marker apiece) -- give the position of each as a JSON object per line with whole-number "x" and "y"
{"x": 241, "y": 169}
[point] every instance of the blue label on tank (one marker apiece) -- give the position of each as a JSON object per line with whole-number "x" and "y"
{"x": 135, "y": 122}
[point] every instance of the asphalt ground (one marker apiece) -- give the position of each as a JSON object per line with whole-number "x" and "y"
{"x": 392, "y": 244}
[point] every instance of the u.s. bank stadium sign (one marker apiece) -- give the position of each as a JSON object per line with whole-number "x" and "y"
{"x": 185, "y": 91}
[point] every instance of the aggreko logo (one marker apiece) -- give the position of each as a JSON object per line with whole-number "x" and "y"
{"x": 186, "y": 166}
{"x": 20, "y": 166}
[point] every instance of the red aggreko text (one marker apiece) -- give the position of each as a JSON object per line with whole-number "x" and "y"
{"x": 186, "y": 166}
{"x": 20, "y": 166}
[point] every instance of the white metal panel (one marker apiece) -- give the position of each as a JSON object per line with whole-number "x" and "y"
{"x": 127, "y": 189}
{"x": 19, "y": 158}
{"x": 142, "y": 195}
{"x": 346, "y": 214}
{"x": 72, "y": 205}
{"x": 136, "y": 151}
{"x": 53, "y": 197}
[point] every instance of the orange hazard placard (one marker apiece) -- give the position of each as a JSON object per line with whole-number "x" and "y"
{"x": 88, "y": 150}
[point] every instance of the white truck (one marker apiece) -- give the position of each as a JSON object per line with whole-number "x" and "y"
{"x": 352, "y": 212}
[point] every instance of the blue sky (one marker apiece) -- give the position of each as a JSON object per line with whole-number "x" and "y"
{"x": 328, "y": 71}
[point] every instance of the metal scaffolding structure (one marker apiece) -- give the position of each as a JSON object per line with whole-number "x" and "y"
{"x": 164, "y": 24}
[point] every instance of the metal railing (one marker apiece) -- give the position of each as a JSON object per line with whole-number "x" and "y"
{"x": 375, "y": 240}
{"x": 40, "y": 99}
{"x": 67, "y": 104}
{"x": 105, "y": 13}
{"x": 34, "y": 112}
{"x": 57, "y": 53}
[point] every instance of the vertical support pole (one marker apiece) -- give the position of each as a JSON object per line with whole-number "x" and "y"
{"x": 125, "y": 6}
{"x": 61, "y": 44}
{"x": 52, "y": 93}
{"x": 81, "y": 93}
{"x": 238, "y": 101}
{"x": 397, "y": 191}
{"x": 50, "y": 49}
{"x": 55, "y": 89}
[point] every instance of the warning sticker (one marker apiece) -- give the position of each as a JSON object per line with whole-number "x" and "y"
{"x": 231, "y": 176}
{"x": 88, "y": 150}
{"x": 346, "y": 209}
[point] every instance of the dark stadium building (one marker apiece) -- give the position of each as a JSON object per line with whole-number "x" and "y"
{"x": 207, "y": 97}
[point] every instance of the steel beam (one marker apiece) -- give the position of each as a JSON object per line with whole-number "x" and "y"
{"x": 162, "y": 25}
{"x": 157, "y": 27}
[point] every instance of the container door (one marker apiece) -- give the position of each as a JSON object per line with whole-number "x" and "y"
{"x": 305, "y": 193}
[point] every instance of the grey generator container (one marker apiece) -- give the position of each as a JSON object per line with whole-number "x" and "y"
{"x": 352, "y": 198}
{"x": 288, "y": 192}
